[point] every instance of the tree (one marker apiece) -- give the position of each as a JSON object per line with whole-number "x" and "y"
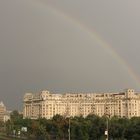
{"x": 133, "y": 129}
{"x": 15, "y": 115}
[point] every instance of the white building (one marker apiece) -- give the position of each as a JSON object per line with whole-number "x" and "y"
{"x": 2, "y": 111}
{"x": 46, "y": 104}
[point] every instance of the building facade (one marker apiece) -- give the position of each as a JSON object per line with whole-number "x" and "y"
{"x": 6, "y": 116}
{"x": 46, "y": 104}
{"x": 2, "y": 111}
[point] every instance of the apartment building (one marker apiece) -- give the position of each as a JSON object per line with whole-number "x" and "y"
{"x": 46, "y": 104}
{"x": 2, "y": 111}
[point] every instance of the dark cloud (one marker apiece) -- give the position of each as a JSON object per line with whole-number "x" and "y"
{"x": 42, "y": 46}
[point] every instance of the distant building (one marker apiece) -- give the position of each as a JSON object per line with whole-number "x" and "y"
{"x": 46, "y": 104}
{"x": 2, "y": 111}
{"x": 6, "y": 116}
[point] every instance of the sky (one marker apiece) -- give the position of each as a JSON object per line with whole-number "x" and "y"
{"x": 68, "y": 46}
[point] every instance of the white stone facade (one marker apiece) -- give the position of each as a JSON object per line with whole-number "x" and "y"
{"x": 2, "y": 111}
{"x": 46, "y": 104}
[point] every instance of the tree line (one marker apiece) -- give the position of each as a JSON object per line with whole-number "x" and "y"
{"x": 90, "y": 128}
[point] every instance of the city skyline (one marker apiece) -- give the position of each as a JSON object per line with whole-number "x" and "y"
{"x": 68, "y": 46}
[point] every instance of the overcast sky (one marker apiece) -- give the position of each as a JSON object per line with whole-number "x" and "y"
{"x": 63, "y": 46}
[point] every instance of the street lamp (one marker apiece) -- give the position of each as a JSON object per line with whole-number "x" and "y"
{"x": 106, "y": 131}
{"x": 69, "y": 128}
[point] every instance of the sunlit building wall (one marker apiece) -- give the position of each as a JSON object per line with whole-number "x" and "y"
{"x": 46, "y": 104}
{"x": 2, "y": 111}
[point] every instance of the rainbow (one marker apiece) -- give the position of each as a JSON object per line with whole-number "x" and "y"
{"x": 93, "y": 34}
